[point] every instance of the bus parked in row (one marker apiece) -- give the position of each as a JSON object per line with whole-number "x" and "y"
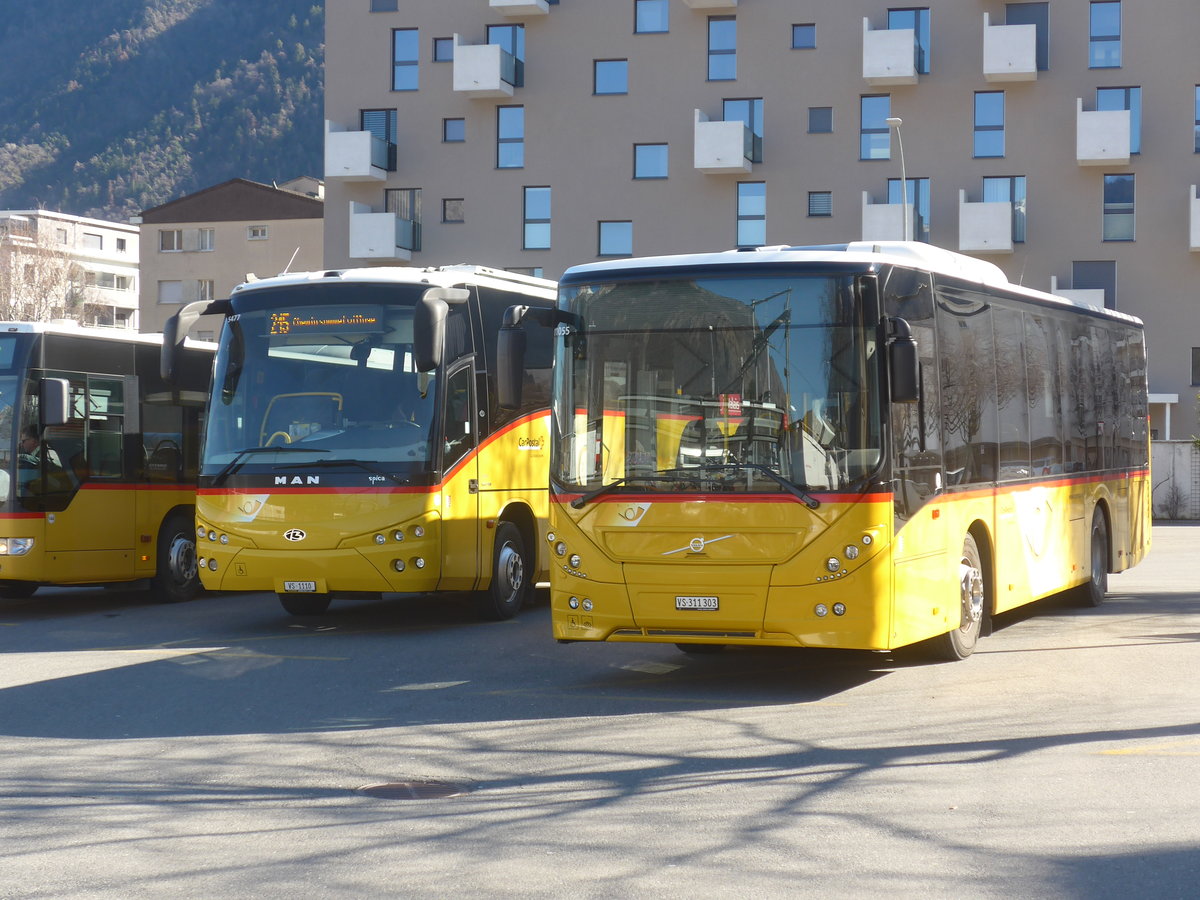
{"x": 354, "y": 446}
{"x": 98, "y": 459}
{"x": 857, "y": 446}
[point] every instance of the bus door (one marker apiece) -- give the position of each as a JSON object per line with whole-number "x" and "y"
{"x": 460, "y": 485}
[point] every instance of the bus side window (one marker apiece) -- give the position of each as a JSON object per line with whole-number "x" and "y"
{"x": 459, "y": 434}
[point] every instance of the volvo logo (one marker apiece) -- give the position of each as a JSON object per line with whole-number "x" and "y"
{"x": 295, "y": 534}
{"x": 697, "y": 544}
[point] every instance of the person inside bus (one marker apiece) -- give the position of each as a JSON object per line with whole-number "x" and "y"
{"x": 32, "y": 449}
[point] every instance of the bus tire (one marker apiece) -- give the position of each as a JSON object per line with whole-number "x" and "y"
{"x": 305, "y": 604}
{"x": 176, "y": 578}
{"x": 960, "y": 642}
{"x": 1092, "y": 591}
{"x": 511, "y": 576}
{"x": 17, "y": 590}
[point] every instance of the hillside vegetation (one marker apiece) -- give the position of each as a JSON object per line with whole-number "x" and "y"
{"x": 110, "y": 107}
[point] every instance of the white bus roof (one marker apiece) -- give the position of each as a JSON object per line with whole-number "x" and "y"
{"x": 439, "y": 276}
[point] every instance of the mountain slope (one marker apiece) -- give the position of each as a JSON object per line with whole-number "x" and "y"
{"x": 114, "y": 106}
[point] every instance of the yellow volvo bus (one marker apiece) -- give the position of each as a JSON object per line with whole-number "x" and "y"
{"x": 354, "y": 446}
{"x": 856, "y": 446}
{"x": 98, "y": 460}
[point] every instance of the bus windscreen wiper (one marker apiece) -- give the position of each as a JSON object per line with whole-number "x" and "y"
{"x": 239, "y": 458}
{"x": 663, "y": 475}
{"x": 328, "y": 463}
{"x": 808, "y": 499}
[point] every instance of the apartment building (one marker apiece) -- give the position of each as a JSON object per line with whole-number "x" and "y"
{"x": 201, "y": 246}
{"x": 56, "y": 265}
{"x": 1059, "y": 140}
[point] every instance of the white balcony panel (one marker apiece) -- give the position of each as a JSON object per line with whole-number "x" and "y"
{"x": 720, "y": 147}
{"x": 889, "y": 55}
{"x": 1009, "y": 52}
{"x": 478, "y": 70}
{"x": 1194, "y": 203}
{"x": 520, "y": 7}
{"x": 711, "y": 4}
{"x": 885, "y": 221}
{"x": 1090, "y": 296}
{"x": 348, "y": 157}
{"x": 1102, "y": 136}
{"x": 984, "y": 227}
{"x": 373, "y": 234}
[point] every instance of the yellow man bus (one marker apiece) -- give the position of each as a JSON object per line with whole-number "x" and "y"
{"x": 857, "y": 446}
{"x": 98, "y": 460}
{"x": 354, "y": 447}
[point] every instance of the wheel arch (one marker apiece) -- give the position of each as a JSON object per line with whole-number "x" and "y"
{"x": 1101, "y": 509}
{"x": 987, "y": 558}
{"x": 520, "y": 515}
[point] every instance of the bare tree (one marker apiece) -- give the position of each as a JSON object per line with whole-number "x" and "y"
{"x": 39, "y": 280}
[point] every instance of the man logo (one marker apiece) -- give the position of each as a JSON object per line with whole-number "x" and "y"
{"x": 295, "y": 534}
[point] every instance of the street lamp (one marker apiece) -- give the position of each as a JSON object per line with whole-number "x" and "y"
{"x": 895, "y": 122}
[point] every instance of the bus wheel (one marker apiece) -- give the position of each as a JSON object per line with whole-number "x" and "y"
{"x": 305, "y": 604}
{"x": 1092, "y": 591}
{"x": 17, "y": 590}
{"x": 960, "y": 643}
{"x": 511, "y": 576}
{"x": 175, "y": 576}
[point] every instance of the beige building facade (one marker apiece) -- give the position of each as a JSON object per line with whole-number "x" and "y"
{"x": 201, "y": 246}
{"x": 1059, "y": 140}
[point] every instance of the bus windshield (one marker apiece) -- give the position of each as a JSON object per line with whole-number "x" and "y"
{"x": 308, "y": 371}
{"x": 736, "y": 383}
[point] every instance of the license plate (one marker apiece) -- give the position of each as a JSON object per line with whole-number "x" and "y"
{"x": 697, "y": 602}
{"x": 300, "y": 587}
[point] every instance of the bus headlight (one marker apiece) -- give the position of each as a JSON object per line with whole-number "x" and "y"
{"x": 560, "y": 549}
{"x": 397, "y": 535}
{"x": 201, "y": 531}
{"x": 419, "y": 563}
{"x": 821, "y": 610}
{"x": 851, "y": 551}
{"x": 212, "y": 565}
{"x": 15, "y": 546}
{"x": 833, "y": 564}
{"x": 398, "y": 565}
{"x": 418, "y": 531}
{"x": 380, "y": 539}
{"x": 575, "y": 560}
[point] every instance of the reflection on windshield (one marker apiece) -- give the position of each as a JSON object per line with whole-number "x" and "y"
{"x": 336, "y": 379}
{"x": 720, "y": 384}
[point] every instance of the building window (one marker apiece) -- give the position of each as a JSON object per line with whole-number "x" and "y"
{"x": 918, "y": 21}
{"x": 1195, "y": 366}
{"x": 90, "y": 241}
{"x": 650, "y": 16}
{"x": 722, "y": 48}
{"x": 510, "y": 137}
{"x": 1104, "y": 35}
{"x": 918, "y": 198}
{"x": 443, "y": 50}
{"x": 122, "y": 245}
{"x": 804, "y": 37}
{"x": 611, "y": 76}
{"x": 1008, "y": 190}
{"x": 452, "y": 210}
{"x": 875, "y": 140}
{"x": 820, "y": 119}
{"x": 404, "y": 59}
{"x": 256, "y": 232}
{"x": 1038, "y": 15}
{"x": 511, "y": 39}
{"x": 820, "y": 204}
{"x": 1118, "y": 207}
{"x": 649, "y": 160}
{"x": 616, "y": 239}
{"x": 381, "y": 123}
{"x": 206, "y": 290}
{"x": 405, "y": 205}
{"x": 751, "y": 214}
{"x": 1129, "y": 98}
{"x": 750, "y": 113}
{"x": 170, "y": 240}
{"x": 454, "y": 131}
{"x": 206, "y": 240}
{"x": 170, "y": 292}
{"x": 1096, "y": 275}
{"x": 60, "y": 235}
{"x": 1196, "y": 129}
{"x": 989, "y": 123}
{"x": 537, "y": 219}
{"x": 384, "y": 5}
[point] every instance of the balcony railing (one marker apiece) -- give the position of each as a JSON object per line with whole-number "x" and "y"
{"x": 889, "y": 55}
{"x": 984, "y": 227}
{"x": 357, "y": 156}
{"x": 885, "y": 221}
{"x": 520, "y": 7}
{"x": 484, "y": 70}
{"x": 723, "y": 148}
{"x": 1194, "y": 231}
{"x": 1102, "y": 137}
{"x": 382, "y": 235}
{"x": 1009, "y": 51}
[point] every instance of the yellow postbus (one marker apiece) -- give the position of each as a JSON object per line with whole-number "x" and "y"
{"x": 98, "y": 459}
{"x": 856, "y": 446}
{"x": 354, "y": 446}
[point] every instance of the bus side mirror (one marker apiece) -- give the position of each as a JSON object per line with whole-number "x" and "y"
{"x": 903, "y": 363}
{"x": 429, "y": 325}
{"x": 176, "y": 330}
{"x": 54, "y": 401}
{"x": 510, "y": 358}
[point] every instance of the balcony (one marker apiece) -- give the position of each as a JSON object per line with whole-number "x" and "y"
{"x": 520, "y": 7}
{"x": 1009, "y": 51}
{"x": 711, "y": 4}
{"x": 382, "y": 235}
{"x": 483, "y": 70}
{"x": 889, "y": 55}
{"x": 984, "y": 227}
{"x": 1091, "y": 296}
{"x": 885, "y": 221}
{"x": 1194, "y": 203}
{"x": 722, "y": 148}
{"x": 357, "y": 155}
{"x": 1102, "y": 137}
